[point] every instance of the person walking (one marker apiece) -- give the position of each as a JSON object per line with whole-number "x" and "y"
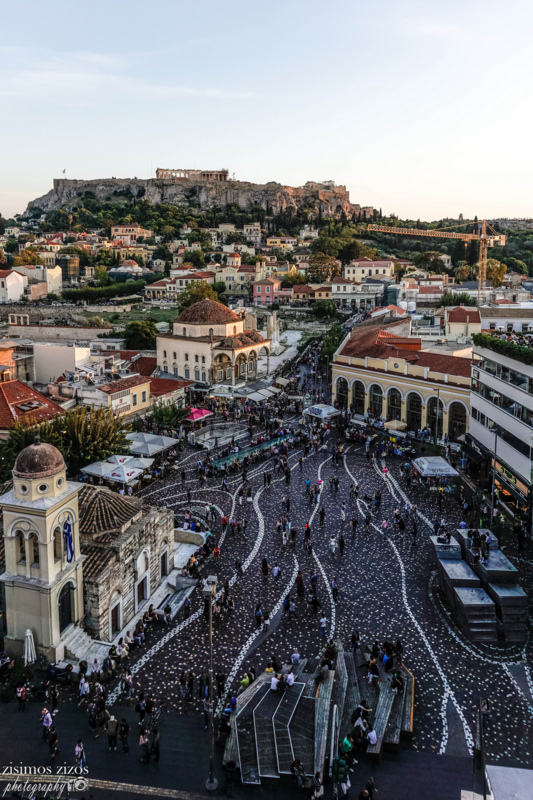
{"x": 22, "y": 694}
{"x": 79, "y": 754}
{"x": 123, "y": 734}
{"x": 334, "y": 589}
{"x": 112, "y": 731}
{"x": 144, "y": 744}
{"x": 155, "y": 744}
{"x": 322, "y": 628}
{"x": 46, "y": 720}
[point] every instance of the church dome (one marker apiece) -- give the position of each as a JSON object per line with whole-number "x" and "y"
{"x": 207, "y": 311}
{"x": 39, "y": 460}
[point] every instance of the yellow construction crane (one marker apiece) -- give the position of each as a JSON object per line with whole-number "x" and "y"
{"x": 485, "y": 240}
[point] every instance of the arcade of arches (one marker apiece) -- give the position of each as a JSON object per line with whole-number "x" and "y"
{"x": 418, "y": 408}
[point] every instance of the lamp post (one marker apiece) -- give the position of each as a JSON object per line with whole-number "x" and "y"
{"x": 209, "y": 592}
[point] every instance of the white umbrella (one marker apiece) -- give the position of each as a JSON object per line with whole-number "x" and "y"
{"x": 29, "y": 648}
{"x": 117, "y": 460}
{"x": 140, "y": 463}
{"x": 145, "y": 448}
{"x": 140, "y": 437}
{"x": 123, "y": 474}
{"x": 163, "y": 441}
{"x": 99, "y": 468}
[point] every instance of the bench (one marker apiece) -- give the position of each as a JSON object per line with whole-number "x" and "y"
{"x": 322, "y": 705}
{"x": 381, "y": 718}
{"x": 408, "y": 708}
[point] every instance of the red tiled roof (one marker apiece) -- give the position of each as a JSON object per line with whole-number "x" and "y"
{"x": 374, "y": 340}
{"x": 123, "y": 384}
{"x": 504, "y": 303}
{"x": 15, "y": 396}
{"x": 5, "y": 273}
{"x": 461, "y": 314}
{"x": 428, "y": 290}
{"x": 302, "y": 288}
{"x": 338, "y": 279}
{"x": 162, "y": 386}
{"x": 145, "y": 365}
{"x": 125, "y": 354}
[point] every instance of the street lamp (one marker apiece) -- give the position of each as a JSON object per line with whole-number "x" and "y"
{"x": 209, "y": 592}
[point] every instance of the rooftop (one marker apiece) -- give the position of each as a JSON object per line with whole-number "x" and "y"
{"x": 207, "y": 312}
{"x": 123, "y": 384}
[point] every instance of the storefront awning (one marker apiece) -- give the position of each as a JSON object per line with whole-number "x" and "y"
{"x": 282, "y": 381}
{"x": 472, "y": 454}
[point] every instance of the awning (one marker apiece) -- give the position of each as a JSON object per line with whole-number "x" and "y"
{"x": 256, "y": 397}
{"x": 472, "y": 454}
{"x": 282, "y": 381}
{"x": 274, "y": 389}
{"x": 434, "y": 467}
{"x": 395, "y": 425}
{"x": 265, "y": 393}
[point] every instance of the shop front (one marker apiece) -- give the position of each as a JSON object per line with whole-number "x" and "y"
{"x": 512, "y": 491}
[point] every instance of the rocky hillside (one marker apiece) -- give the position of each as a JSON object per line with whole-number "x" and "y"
{"x": 273, "y": 197}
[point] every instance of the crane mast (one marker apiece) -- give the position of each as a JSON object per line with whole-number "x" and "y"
{"x": 485, "y": 241}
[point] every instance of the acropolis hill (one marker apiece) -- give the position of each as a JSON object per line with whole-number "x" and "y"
{"x": 204, "y": 189}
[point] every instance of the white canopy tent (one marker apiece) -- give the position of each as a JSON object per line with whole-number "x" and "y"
{"x": 434, "y": 467}
{"x": 145, "y": 449}
{"x": 123, "y": 474}
{"x": 99, "y": 469}
{"x": 321, "y": 411}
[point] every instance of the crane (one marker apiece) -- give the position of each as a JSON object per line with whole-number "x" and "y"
{"x": 485, "y": 240}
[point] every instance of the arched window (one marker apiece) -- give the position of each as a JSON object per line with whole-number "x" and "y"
{"x": 203, "y": 359}
{"x": 187, "y": 373}
{"x": 186, "y": 356}
{"x": 21, "y": 547}
{"x": 185, "y": 331}
{"x": 174, "y": 356}
{"x": 146, "y": 562}
{"x": 164, "y": 353}
{"x": 211, "y": 331}
{"x": 196, "y": 374}
{"x": 34, "y": 548}
{"x": 175, "y": 371}
{"x": 203, "y": 376}
{"x": 58, "y": 542}
{"x": 234, "y": 329}
{"x": 196, "y": 359}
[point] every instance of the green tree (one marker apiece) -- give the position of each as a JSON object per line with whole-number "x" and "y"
{"x": 196, "y": 291}
{"x": 168, "y": 416}
{"x": 102, "y": 276}
{"x": 294, "y": 279}
{"x": 459, "y": 299}
{"x": 324, "y": 308}
{"x": 322, "y": 268}
{"x": 331, "y": 341}
{"x": 430, "y": 261}
{"x": 194, "y": 257}
{"x": 162, "y": 252}
{"x": 462, "y": 271}
{"x": 141, "y": 335}
{"x": 495, "y": 272}
{"x": 82, "y": 435}
{"x": 516, "y": 265}
{"x": 11, "y": 246}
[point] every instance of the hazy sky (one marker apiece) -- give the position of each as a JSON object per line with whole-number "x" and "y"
{"x": 422, "y": 109}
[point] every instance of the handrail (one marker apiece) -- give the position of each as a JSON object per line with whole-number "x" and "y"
{"x": 335, "y": 725}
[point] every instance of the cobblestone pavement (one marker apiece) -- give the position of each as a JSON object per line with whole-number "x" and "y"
{"x": 387, "y": 590}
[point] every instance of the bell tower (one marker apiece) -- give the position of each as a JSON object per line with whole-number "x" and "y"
{"x": 43, "y": 578}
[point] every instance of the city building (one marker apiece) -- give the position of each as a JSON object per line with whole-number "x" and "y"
{"x": 209, "y": 344}
{"x": 171, "y": 288}
{"x": 379, "y": 368}
{"x": 77, "y": 559}
{"x": 270, "y": 290}
{"x": 129, "y": 234}
{"x": 366, "y": 268}
{"x": 501, "y": 426}
{"x": 70, "y": 267}
{"x": 12, "y": 285}
{"x": 51, "y": 275}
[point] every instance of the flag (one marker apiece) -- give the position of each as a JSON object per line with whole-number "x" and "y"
{"x": 67, "y": 540}
{"x": 64, "y": 172}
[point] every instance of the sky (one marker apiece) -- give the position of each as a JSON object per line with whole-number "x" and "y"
{"x": 423, "y": 110}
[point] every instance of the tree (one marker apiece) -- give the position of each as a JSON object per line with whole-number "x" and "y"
{"x": 11, "y": 245}
{"x": 168, "y": 416}
{"x": 196, "y": 291}
{"x": 430, "y": 261}
{"x": 331, "y": 341}
{"x": 194, "y": 257}
{"x": 27, "y": 256}
{"x": 324, "y": 308}
{"x": 162, "y": 252}
{"x": 462, "y": 271}
{"x": 459, "y": 299}
{"x": 81, "y": 434}
{"x": 322, "y": 268}
{"x": 141, "y": 335}
{"x": 495, "y": 272}
{"x": 82, "y": 254}
{"x": 102, "y": 276}
{"x": 516, "y": 265}
{"x": 294, "y": 279}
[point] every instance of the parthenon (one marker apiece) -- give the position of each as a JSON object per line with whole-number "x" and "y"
{"x": 192, "y": 174}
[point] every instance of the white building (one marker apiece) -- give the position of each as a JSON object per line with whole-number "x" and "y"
{"x": 53, "y": 360}
{"x": 501, "y": 423}
{"x": 12, "y": 285}
{"x": 51, "y": 275}
{"x": 366, "y": 268}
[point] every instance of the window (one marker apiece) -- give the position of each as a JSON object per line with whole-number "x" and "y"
{"x": 203, "y": 376}
{"x": 34, "y": 549}
{"x": 143, "y": 397}
{"x": 174, "y": 356}
{"x": 57, "y": 545}
{"x": 267, "y": 289}
{"x": 184, "y": 331}
{"x": 235, "y": 327}
{"x": 211, "y": 331}
{"x": 134, "y": 398}
{"x": 196, "y": 374}
{"x": 220, "y": 375}
{"x": 175, "y": 371}
{"x": 203, "y": 359}
{"x": 196, "y": 359}
{"x": 21, "y": 547}
{"x": 186, "y": 356}
{"x": 187, "y": 373}
{"x": 164, "y": 353}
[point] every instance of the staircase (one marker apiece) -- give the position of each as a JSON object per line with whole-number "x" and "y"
{"x": 281, "y": 721}
{"x": 264, "y": 734}
{"x": 79, "y": 646}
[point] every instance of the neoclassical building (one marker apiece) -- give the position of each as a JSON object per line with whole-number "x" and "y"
{"x": 79, "y": 561}
{"x": 208, "y": 344}
{"x": 380, "y": 368}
